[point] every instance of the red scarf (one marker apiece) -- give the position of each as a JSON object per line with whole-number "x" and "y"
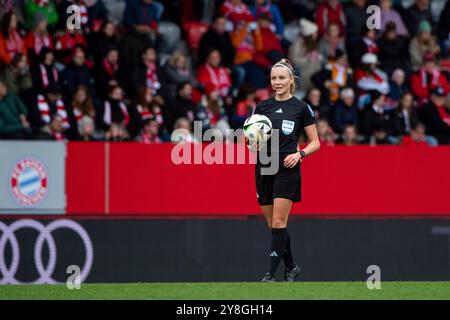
{"x": 152, "y": 77}
{"x": 435, "y": 74}
{"x": 148, "y": 139}
{"x": 219, "y": 78}
{"x": 44, "y": 75}
{"x": 155, "y": 112}
{"x": 41, "y": 41}
{"x": 444, "y": 114}
{"x": 371, "y": 45}
{"x": 44, "y": 110}
{"x": 14, "y": 44}
{"x": 107, "y": 114}
{"x": 110, "y": 68}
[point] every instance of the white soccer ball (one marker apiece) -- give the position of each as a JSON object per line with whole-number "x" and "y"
{"x": 257, "y": 128}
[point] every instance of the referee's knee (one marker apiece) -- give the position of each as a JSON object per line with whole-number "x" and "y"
{"x": 279, "y": 223}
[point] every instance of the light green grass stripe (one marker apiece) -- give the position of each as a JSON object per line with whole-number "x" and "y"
{"x": 233, "y": 291}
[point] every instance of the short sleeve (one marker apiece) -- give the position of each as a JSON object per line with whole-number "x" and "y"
{"x": 307, "y": 117}
{"x": 257, "y": 109}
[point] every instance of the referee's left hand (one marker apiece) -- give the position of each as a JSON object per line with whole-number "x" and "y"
{"x": 291, "y": 160}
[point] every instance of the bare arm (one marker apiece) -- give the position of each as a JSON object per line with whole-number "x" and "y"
{"x": 314, "y": 144}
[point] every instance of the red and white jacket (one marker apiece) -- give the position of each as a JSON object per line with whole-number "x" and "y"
{"x": 219, "y": 77}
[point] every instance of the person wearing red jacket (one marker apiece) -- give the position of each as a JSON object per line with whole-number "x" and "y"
{"x": 39, "y": 37}
{"x": 10, "y": 41}
{"x": 212, "y": 73}
{"x": 330, "y": 11}
{"x": 271, "y": 50}
{"x": 428, "y": 77}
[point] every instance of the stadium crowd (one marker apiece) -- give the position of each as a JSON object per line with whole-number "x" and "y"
{"x": 136, "y": 70}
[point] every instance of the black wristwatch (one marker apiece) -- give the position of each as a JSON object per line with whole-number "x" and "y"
{"x": 302, "y": 154}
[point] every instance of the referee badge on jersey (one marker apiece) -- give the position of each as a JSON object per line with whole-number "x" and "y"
{"x": 287, "y": 127}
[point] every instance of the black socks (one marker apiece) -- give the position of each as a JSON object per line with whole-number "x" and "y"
{"x": 287, "y": 256}
{"x": 279, "y": 242}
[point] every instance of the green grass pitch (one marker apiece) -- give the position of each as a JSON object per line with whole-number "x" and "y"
{"x": 232, "y": 291}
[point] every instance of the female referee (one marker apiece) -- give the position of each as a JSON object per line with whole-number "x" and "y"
{"x": 277, "y": 192}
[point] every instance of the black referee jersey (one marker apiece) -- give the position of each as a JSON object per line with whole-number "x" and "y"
{"x": 289, "y": 117}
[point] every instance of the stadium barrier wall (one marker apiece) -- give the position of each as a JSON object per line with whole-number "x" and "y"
{"x": 149, "y": 250}
{"x": 114, "y": 179}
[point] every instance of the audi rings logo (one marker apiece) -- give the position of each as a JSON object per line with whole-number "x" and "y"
{"x": 8, "y": 273}
{"x": 29, "y": 182}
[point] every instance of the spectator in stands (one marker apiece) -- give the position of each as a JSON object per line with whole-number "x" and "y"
{"x": 45, "y": 7}
{"x": 271, "y": 50}
{"x": 114, "y": 110}
{"x": 92, "y": 12}
{"x": 82, "y": 104}
{"x": 39, "y": 37}
{"x": 356, "y": 17}
{"x": 48, "y": 103}
{"x": 327, "y": 136}
{"x": 245, "y": 104}
{"x": 380, "y": 135}
{"x": 181, "y": 106}
{"x": 44, "y": 72}
{"x": 415, "y": 14}
{"x": 417, "y": 137}
{"x": 211, "y": 111}
{"x": 368, "y": 77}
{"x": 397, "y": 86}
{"x": 436, "y": 116}
{"x": 77, "y": 72}
{"x": 443, "y": 30}
{"x": 117, "y": 133}
{"x": 183, "y": 132}
{"x": 11, "y": 42}
{"x": 334, "y": 76}
{"x": 376, "y": 118}
{"x": 147, "y": 72}
{"x": 16, "y": 76}
{"x": 428, "y": 77}
{"x": 314, "y": 99}
{"x": 217, "y": 38}
{"x": 271, "y": 9}
{"x": 143, "y": 16}
{"x": 56, "y": 129}
{"x": 330, "y": 12}
{"x": 212, "y": 73}
{"x": 102, "y": 40}
{"x": 246, "y": 39}
{"x": 406, "y": 115}
{"x": 350, "y": 136}
{"x": 304, "y": 53}
{"x": 388, "y": 14}
{"x": 345, "y": 111}
{"x": 109, "y": 72}
{"x": 422, "y": 43}
{"x": 13, "y": 116}
{"x": 66, "y": 42}
{"x": 331, "y": 41}
{"x": 149, "y": 132}
{"x": 236, "y": 12}
{"x": 144, "y": 106}
{"x": 86, "y": 129}
{"x": 366, "y": 44}
{"x": 393, "y": 51}
{"x": 175, "y": 71}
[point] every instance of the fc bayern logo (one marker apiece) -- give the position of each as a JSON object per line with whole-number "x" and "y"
{"x": 29, "y": 182}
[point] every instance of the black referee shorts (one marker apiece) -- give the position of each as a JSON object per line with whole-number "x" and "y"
{"x": 286, "y": 183}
